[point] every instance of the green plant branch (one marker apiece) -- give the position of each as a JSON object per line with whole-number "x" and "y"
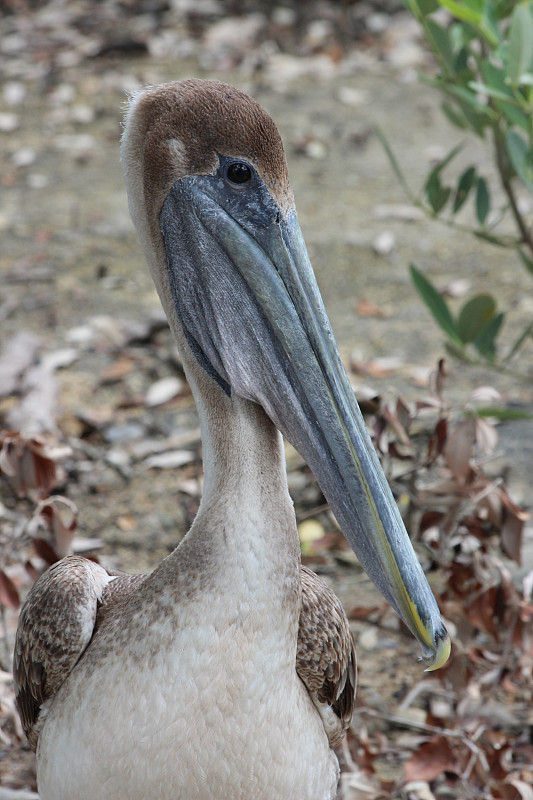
{"x": 503, "y": 172}
{"x": 500, "y": 241}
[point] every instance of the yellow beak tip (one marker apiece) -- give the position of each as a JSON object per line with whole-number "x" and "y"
{"x": 441, "y": 654}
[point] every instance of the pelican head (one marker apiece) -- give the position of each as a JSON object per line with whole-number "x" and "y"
{"x": 210, "y": 197}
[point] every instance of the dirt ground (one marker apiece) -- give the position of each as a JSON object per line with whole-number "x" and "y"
{"x": 73, "y": 276}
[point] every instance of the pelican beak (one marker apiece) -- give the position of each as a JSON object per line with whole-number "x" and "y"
{"x": 247, "y": 298}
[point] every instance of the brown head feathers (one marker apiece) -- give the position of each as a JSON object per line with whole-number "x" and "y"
{"x": 184, "y": 125}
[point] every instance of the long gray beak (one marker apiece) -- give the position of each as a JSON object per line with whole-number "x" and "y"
{"x": 251, "y": 309}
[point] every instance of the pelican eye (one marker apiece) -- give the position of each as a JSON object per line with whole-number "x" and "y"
{"x": 238, "y": 173}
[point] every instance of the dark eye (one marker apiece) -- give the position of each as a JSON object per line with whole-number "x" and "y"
{"x": 239, "y": 172}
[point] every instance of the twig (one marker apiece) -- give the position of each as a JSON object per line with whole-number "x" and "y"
{"x": 506, "y": 649}
{"x": 432, "y": 729}
{"x": 527, "y": 238}
{"x": 312, "y": 512}
{"x": 422, "y": 687}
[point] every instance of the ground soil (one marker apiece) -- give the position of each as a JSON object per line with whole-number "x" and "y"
{"x": 75, "y": 232}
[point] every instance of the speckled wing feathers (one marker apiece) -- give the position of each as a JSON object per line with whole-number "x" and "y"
{"x": 56, "y": 624}
{"x": 71, "y": 599}
{"x": 325, "y": 660}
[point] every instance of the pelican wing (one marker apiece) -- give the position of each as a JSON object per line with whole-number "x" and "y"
{"x": 56, "y": 624}
{"x": 325, "y": 659}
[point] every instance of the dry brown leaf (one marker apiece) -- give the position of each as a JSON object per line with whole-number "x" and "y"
{"x": 45, "y": 550}
{"x": 511, "y": 532}
{"x": 126, "y": 522}
{"x": 515, "y": 790}
{"x": 32, "y": 571}
{"x": 364, "y": 612}
{"x": 481, "y": 612}
{"x": 29, "y": 464}
{"x": 61, "y": 516}
{"x": 459, "y": 449}
{"x": 366, "y": 308}
{"x": 117, "y": 370}
{"x": 9, "y": 595}
{"x": 430, "y": 760}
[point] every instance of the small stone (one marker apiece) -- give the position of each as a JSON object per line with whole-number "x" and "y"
{"x": 377, "y": 23}
{"x": 162, "y": 391}
{"x": 124, "y": 433}
{"x": 285, "y": 17}
{"x": 384, "y": 243}
{"x": 14, "y": 93}
{"x": 350, "y": 96}
{"x": 8, "y": 121}
{"x": 316, "y": 149}
{"x": 171, "y": 460}
{"x": 37, "y": 181}
{"x": 24, "y": 157}
{"x": 368, "y": 639}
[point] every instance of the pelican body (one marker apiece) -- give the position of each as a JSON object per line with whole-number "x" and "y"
{"x": 229, "y": 672}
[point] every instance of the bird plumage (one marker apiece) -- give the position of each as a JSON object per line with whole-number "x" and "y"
{"x": 229, "y": 671}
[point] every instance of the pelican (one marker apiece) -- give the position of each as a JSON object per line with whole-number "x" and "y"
{"x": 229, "y": 672}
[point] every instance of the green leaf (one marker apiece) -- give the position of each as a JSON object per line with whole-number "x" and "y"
{"x": 436, "y": 305}
{"x": 461, "y": 64}
{"x": 520, "y": 43}
{"x": 482, "y": 200}
{"x": 473, "y": 12}
{"x": 489, "y": 24}
{"x": 503, "y": 413}
{"x": 464, "y": 185}
{"x": 492, "y": 92}
{"x": 485, "y": 343}
{"x": 438, "y": 194}
{"x": 506, "y": 102}
{"x": 439, "y": 39}
{"x": 454, "y": 116}
{"x": 420, "y": 8}
{"x": 521, "y": 157}
{"x": 428, "y": 6}
{"x": 475, "y": 112}
{"x": 472, "y": 100}
{"x": 472, "y": 15}
{"x": 474, "y": 317}
{"x": 446, "y": 160}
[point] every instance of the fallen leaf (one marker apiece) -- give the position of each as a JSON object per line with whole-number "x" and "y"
{"x": 430, "y": 760}
{"x": 9, "y": 595}
{"x": 366, "y": 308}
{"x": 516, "y": 790}
{"x": 459, "y": 449}
{"x": 61, "y": 516}
{"x": 117, "y": 370}
{"x": 17, "y": 355}
{"x": 126, "y": 522}
{"x": 45, "y": 551}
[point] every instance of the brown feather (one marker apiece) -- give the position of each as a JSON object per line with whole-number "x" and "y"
{"x": 56, "y": 624}
{"x": 183, "y": 126}
{"x": 325, "y": 659}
